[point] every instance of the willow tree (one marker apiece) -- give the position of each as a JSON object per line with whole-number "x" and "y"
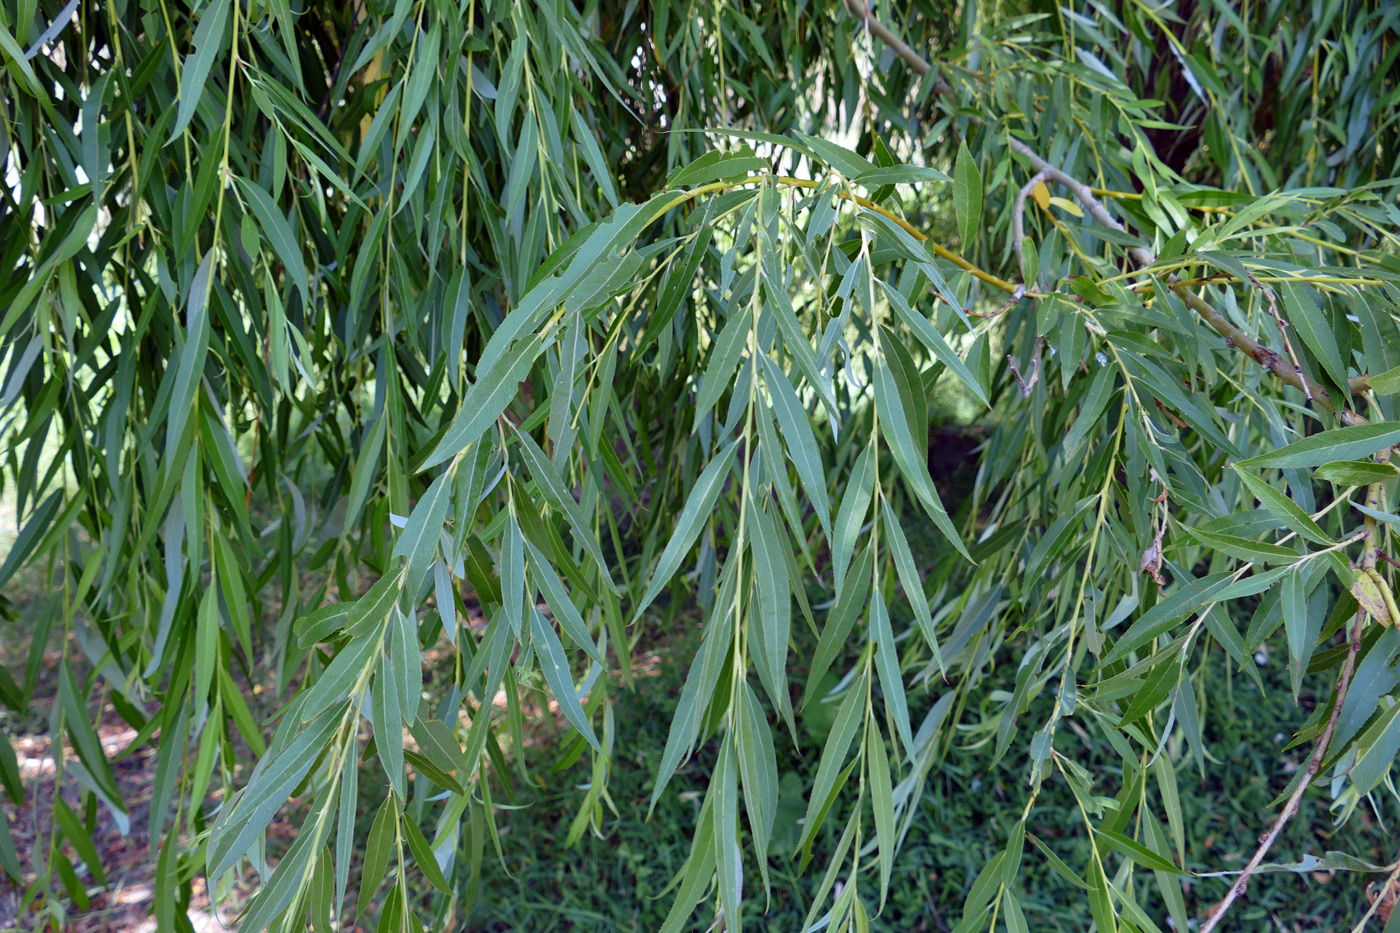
{"x": 337, "y": 332}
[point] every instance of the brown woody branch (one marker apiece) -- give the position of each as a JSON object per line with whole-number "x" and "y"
{"x": 1314, "y": 765}
{"x": 1369, "y": 555}
{"x": 1018, "y": 219}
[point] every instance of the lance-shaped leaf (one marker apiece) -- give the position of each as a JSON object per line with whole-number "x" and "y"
{"x": 909, "y": 578}
{"x": 1349, "y": 443}
{"x": 850, "y": 599}
{"x": 560, "y": 603}
{"x": 86, "y": 743}
{"x": 758, "y": 768}
{"x": 291, "y": 873}
{"x": 926, "y": 333}
{"x": 386, "y": 716}
{"x": 279, "y": 233}
{"x": 770, "y": 636}
{"x": 887, "y": 666}
{"x": 555, "y": 666}
{"x": 687, "y": 528}
{"x": 882, "y": 799}
{"x": 343, "y": 672}
{"x": 699, "y": 687}
{"x": 208, "y": 42}
{"x": 724, "y": 358}
{"x": 716, "y": 165}
{"x": 1284, "y": 508}
{"x": 729, "y": 862}
{"x": 279, "y": 772}
{"x": 838, "y": 742}
{"x": 850, "y": 517}
{"x": 912, "y": 459}
{"x": 801, "y": 441}
{"x": 419, "y": 539}
{"x": 967, "y": 194}
{"x": 488, "y": 397}
{"x": 380, "y": 846}
{"x": 559, "y": 497}
{"x": 183, "y": 398}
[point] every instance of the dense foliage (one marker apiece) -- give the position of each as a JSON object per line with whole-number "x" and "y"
{"x": 338, "y": 334}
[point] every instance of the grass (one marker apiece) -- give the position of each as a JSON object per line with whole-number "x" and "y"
{"x": 612, "y": 880}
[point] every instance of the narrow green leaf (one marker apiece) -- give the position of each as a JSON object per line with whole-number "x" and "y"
{"x": 848, "y": 163}
{"x": 418, "y": 542}
{"x": 386, "y": 717}
{"x": 423, "y": 855}
{"x": 729, "y": 863}
{"x": 887, "y": 666}
{"x": 850, "y": 517}
{"x": 1309, "y": 323}
{"x": 724, "y": 359}
{"x": 280, "y": 235}
{"x": 341, "y": 674}
{"x": 687, "y": 528}
{"x": 716, "y": 165}
{"x": 758, "y": 768}
{"x": 183, "y": 396}
{"x": 378, "y": 848}
{"x": 86, "y": 743}
{"x": 774, "y": 602}
{"x": 929, "y": 336}
{"x": 850, "y": 599}
{"x": 559, "y": 497}
{"x": 560, "y": 603}
{"x": 1294, "y": 600}
{"x": 801, "y": 441}
{"x": 899, "y": 175}
{"x": 882, "y": 800}
{"x": 1349, "y": 443}
{"x": 277, "y": 774}
{"x": 555, "y": 667}
{"x": 1348, "y": 473}
{"x": 1284, "y": 508}
{"x": 838, "y": 742}
{"x": 1184, "y": 599}
{"x": 194, "y": 77}
{"x": 34, "y": 530}
{"x": 76, "y": 833}
{"x": 967, "y": 194}
{"x": 487, "y": 398}
{"x": 911, "y": 457}
{"x": 1091, "y": 409}
{"x": 1138, "y": 852}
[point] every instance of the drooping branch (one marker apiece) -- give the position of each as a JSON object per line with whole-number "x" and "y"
{"x": 1270, "y": 360}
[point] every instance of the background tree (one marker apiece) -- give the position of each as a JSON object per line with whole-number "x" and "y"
{"x": 333, "y": 334}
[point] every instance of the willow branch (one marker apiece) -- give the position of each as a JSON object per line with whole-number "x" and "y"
{"x": 1314, "y": 765}
{"x": 1369, "y": 555}
{"x": 1084, "y": 194}
{"x": 1280, "y": 366}
{"x": 913, "y": 59}
{"x": 913, "y": 231}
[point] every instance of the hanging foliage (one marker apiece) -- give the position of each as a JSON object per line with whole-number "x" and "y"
{"x": 336, "y": 334}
